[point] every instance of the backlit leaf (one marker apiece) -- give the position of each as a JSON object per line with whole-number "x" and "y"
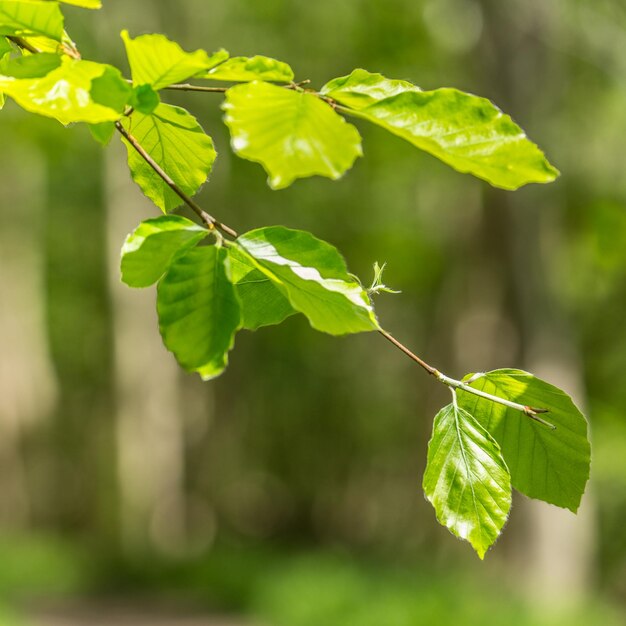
{"x": 243, "y": 69}
{"x": 313, "y": 277}
{"x": 155, "y": 60}
{"x": 24, "y": 18}
{"x": 198, "y": 311}
{"x": 293, "y": 134}
{"x": 467, "y": 132}
{"x": 175, "y": 140}
{"x": 76, "y": 91}
{"x": 362, "y": 88}
{"x": 85, "y": 4}
{"x": 466, "y": 479}
{"x": 551, "y": 465}
{"x": 150, "y": 249}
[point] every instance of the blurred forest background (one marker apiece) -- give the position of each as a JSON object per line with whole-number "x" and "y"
{"x": 288, "y": 491}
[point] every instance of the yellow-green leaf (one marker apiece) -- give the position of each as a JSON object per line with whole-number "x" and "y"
{"x": 156, "y": 61}
{"x": 293, "y": 134}
{"x": 175, "y": 140}
{"x": 25, "y": 18}
{"x": 245, "y": 69}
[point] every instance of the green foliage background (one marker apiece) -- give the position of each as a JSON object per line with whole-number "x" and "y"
{"x": 312, "y": 441}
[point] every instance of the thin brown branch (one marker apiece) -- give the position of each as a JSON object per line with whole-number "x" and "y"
{"x": 209, "y": 220}
{"x": 23, "y": 44}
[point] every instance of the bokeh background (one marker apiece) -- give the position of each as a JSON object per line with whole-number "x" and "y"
{"x": 287, "y": 492}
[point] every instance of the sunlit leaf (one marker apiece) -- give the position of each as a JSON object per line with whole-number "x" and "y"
{"x": 262, "y": 302}
{"x": 85, "y": 4}
{"x": 155, "y": 60}
{"x": 24, "y": 18}
{"x": 313, "y": 276}
{"x": 243, "y": 69}
{"x": 467, "y": 132}
{"x": 466, "y": 479}
{"x": 291, "y": 133}
{"x": 198, "y": 311}
{"x": 175, "y": 140}
{"x": 150, "y": 249}
{"x": 551, "y": 465}
{"x": 362, "y": 88}
{"x": 76, "y": 91}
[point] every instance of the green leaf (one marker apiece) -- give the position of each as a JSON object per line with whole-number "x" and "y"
{"x": 551, "y": 465}
{"x": 150, "y": 249}
{"x": 244, "y": 69}
{"x": 293, "y": 134}
{"x": 144, "y": 99}
{"x": 262, "y": 302}
{"x": 175, "y": 140}
{"x": 466, "y": 479}
{"x": 66, "y": 94}
{"x": 198, "y": 311}
{"x": 5, "y": 46}
{"x": 362, "y": 88}
{"x": 31, "y": 66}
{"x": 85, "y": 4}
{"x": 25, "y": 18}
{"x": 313, "y": 277}
{"x": 159, "y": 62}
{"x": 102, "y": 133}
{"x": 467, "y": 132}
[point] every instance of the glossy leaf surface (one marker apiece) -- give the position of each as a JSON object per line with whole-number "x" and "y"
{"x": 362, "y": 88}
{"x": 198, "y": 311}
{"x": 466, "y": 479}
{"x": 292, "y": 134}
{"x": 467, "y": 132}
{"x": 155, "y": 60}
{"x": 76, "y": 91}
{"x": 551, "y": 465}
{"x": 150, "y": 249}
{"x": 243, "y": 69}
{"x": 313, "y": 276}
{"x": 175, "y": 140}
{"x": 25, "y": 18}
{"x": 262, "y": 302}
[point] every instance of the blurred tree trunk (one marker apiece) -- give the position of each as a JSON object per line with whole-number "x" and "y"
{"x": 150, "y": 445}
{"x": 27, "y": 381}
{"x": 554, "y": 552}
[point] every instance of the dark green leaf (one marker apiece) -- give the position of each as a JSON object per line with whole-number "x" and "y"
{"x": 291, "y": 133}
{"x": 467, "y": 132}
{"x": 102, "y": 133}
{"x": 551, "y": 465}
{"x": 150, "y": 249}
{"x": 262, "y": 302}
{"x": 24, "y": 18}
{"x": 144, "y": 99}
{"x": 198, "y": 311}
{"x": 175, "y": 140}
{"x": 31, "y": 66}
{"x": 244, "y": 69}
{"x": 466, "y": 479}
{"x": 157, "y": 61}
{"x": 314, "y": 278}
